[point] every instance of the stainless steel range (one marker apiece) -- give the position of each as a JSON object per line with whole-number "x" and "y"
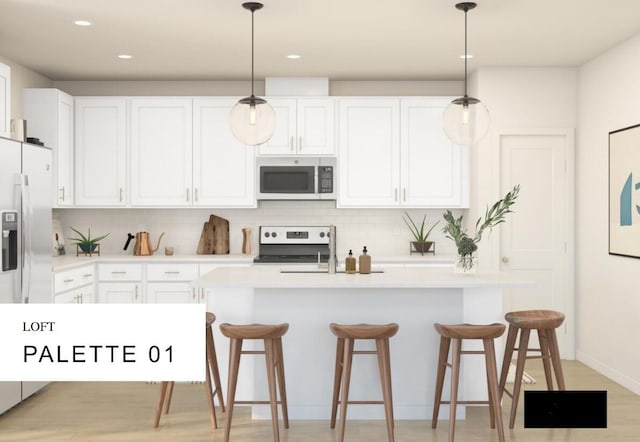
{"x": 293, "y": 244}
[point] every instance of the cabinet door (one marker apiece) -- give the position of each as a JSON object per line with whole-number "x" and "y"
{"x": 64, "y": 149}
{"x": 315, "y": 126}
{"x": 369, "y": 154}
{"x": 100, "y": 151}
{"x": 50, "y": 115}
{"x": 434, "y": 171}
{"x": 119, "y": 293}
{"x": 172, "y": 293}
{"x": 284, "y": 139}
{"x": 82, "y": 295}
{"x": 5, "y": 101}
{"x": 161, "y": 135}
{"x": 223, "y": 168}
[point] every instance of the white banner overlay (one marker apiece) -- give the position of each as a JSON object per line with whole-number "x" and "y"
{"x": 102, "y": 342}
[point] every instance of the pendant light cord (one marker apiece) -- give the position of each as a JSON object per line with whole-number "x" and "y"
{"x": 465, "y": 52}
{"x": 252, "y": 39}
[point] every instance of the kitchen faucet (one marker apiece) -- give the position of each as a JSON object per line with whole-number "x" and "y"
{"x": 332, "y": 249}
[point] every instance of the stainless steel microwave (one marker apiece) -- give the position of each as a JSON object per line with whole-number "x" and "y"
{"x": 296, "y": 178}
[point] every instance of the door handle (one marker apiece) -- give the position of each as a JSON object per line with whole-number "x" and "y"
{"x": 121, "y": 194}
{"x": 300, "y": 143}
{"x": 292, "y": 143}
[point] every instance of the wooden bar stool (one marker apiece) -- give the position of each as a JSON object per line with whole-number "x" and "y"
{"x": 545, "y": 323}
{"x": 166, "y": 388}
{"x": 454, "y": 334}
{"x": 272, "y": 337}
{"x": 347, "y": 334}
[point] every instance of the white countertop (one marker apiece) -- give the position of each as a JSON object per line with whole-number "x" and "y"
{"x": 70, "y": 261}
{"x": 271, "y": 277}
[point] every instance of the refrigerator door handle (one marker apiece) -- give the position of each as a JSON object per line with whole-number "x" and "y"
{"x": 27, "y": 217}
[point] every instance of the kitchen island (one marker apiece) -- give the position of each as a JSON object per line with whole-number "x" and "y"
{"x": 415, "y": 298}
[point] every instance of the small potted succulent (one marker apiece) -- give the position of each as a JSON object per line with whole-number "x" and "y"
{"x": 420, "y": 234}
{"x": 466, "y": 244}
{"x": 87, "y": 244}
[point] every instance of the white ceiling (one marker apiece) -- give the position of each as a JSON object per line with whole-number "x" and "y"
{"x": 339, "y": 39}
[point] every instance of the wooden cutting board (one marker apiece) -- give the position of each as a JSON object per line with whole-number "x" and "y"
{"x": 214, "y": 238}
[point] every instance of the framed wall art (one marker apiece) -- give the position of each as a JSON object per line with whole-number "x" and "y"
{"x": 624, "y": 192}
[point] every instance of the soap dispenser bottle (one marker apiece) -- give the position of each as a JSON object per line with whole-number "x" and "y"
{"x": 365, "y": 262}
{"x": 350, "y": 263}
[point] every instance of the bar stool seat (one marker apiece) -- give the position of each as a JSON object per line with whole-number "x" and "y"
{"x": 347, "y": 334}
{"x": 452, "y": 335}
{"x": 166, "y": 387}
{"x": 272, "y": 337}
{"x": 545, "y": 322}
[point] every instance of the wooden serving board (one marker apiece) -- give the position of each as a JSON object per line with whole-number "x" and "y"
{"x": 214, "y": 238}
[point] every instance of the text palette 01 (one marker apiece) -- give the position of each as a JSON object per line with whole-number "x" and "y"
{"x": 102, "y": 342}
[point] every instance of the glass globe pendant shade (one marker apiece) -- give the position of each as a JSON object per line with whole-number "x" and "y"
{"x": 466, "y": 120}
{"x": 252, "y": 121}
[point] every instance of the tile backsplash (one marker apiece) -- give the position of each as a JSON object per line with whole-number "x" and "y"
{"x": 381, "y": 230}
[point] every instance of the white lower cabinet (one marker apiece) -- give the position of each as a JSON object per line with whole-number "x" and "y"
{"x": 171, "y": 284}
{"x": 74, "y": 286}
{"x": 120, "y": 283}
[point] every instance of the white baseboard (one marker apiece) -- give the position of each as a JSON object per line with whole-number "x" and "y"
{"x": 613, "y": 374}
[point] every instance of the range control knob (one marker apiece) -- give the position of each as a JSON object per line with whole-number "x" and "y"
{"x": 267, "y": 234}
{"x": 274, "y": 234}
{"x": 321, "y": 234}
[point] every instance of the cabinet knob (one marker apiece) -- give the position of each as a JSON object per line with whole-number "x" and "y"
{"x": 505, "y": 259}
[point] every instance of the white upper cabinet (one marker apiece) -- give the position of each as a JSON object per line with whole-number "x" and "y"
{"x": 5, "y": 101}
{"x": 223, "y": 168}
{"x": 369, "y": 154}
{"x": 49, "y": 115}
{"x": 161, "y": 152}
{"x": 304, "y": 126}
{"x": 394, "y": 153}
{"x": 434, "y": 172}
{"x": 101, "y": 147}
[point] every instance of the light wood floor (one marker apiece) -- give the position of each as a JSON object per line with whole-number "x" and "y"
{"x": 124, "y": 412}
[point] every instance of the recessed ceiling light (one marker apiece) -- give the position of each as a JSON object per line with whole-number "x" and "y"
{"x": 125, "y": 57}
{"x": 83, "y": 23}
{"x": 465, "y": 56}
{"x": 294, "y": 56}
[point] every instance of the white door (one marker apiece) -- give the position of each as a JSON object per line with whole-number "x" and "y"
{"x": 172, "y": 293}
{"x": 223, "y": 168}
{"x": 369, "y": 154}
{"x": 536, "y": 241}
{"x": 283, "y": 141}
{"x": 119, "y": 293}
{"x": 101, "y": 142}
{"x": 63, "y": 150}
{"x": 161, "y": 152}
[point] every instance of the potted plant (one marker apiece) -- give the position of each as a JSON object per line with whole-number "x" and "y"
{"x": 86, "y": 243}
{"x": 420, "y": 234}
{"x": 466, "y": 244}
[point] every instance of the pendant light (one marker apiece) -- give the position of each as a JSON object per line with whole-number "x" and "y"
{"x": 466, "y": 119}
{"x": 252, "y": 119}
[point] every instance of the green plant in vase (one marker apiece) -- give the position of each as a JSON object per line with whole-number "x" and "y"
{"x": 86, "y": 243}
{"x": 420, "y": 234}
{"x": 466, "y": 244}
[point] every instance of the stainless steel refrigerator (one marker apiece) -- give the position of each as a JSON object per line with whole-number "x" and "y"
{"x": 25, "y": 218}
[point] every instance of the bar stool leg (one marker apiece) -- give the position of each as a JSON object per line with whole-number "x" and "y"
{"x": 555, "y": 358}
{"x": 455, "y": 378}
{"x": 492, "y": 417}
{"x": 506, "y": 360}
{"x": 442, "y": 368}
{"x": 271, "y": 380}
{"x": 207, "y": 386}
{"x": 281, "y": 383}
{"x": 388, "y": 362}
{"x": 234, "y": 365}
{"x": 213, "y": 364}
{"x": 385, "y": 383}
{"x": 347, "y": 359}
{"x": 163, "y": 391}
{"x": 517, "y": 383}
{"x": 337, "y": 380}
{"x": 546, "y": 357}
{"x": 494, "y": 395}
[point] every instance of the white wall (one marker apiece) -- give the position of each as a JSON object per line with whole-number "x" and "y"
{"x": 608, "y": 307}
